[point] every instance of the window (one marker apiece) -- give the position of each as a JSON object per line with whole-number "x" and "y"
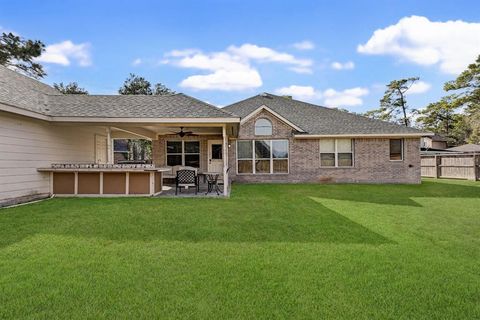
{"x": 183, "y": 153}
{"x": 262, "y": 156}
{"x": 132, "y": 150}
{"x": 263, "y": 127}
{"x": 336, "y": 153}
{"x": 396, "y": 149}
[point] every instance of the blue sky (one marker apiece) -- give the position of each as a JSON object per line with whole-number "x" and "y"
{"x": 325, "y": 52}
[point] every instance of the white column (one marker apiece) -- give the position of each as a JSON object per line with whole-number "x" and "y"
{"x": 101, "y": 182}
{"x": 109, "y": 146}
{"x": 127, "y": 182}
{"x": 152, "y": 183}
{"x": 225, "y": 160}
{"x": 75, "y": 187}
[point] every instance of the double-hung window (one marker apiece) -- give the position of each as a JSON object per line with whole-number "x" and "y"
{"x": 336, "y": 152}
{"x": 262, "y": 156}
{"x": 183, "y": 153}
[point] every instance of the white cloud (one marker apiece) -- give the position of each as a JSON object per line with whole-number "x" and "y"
{"x": 304, "y": 45}
{"x": 345, "y": 98}
{"x": 451, "y": 45}
{"x": 226, "y": 80}
{"x": 65, "y": 52}
{"x": 349, "y": 65}
{"x": 419, "y": 87}
{"x": 264, "y": 54}
{"x": 307, "y": 93}
{"x": 231, "y": 69}
{"x": 137, "y": 62}
{"x": 330, "y": 97}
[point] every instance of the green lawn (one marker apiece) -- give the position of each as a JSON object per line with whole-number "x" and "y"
{"x": 270, "y": 251}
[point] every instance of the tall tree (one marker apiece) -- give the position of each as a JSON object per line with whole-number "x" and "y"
{"x": 467, "y": 89}
{"x": 393, "y": 105}
{"x": 70, "y": 88}
{"x": 139, "y": 85}
{"x": 19, "y": 54}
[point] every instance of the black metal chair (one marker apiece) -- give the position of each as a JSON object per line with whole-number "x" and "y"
{"x": 221, "y": 182}
{"x": 185, "y": 179}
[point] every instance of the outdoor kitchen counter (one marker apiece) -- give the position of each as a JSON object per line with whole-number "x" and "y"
{"x": 106, "y": 181}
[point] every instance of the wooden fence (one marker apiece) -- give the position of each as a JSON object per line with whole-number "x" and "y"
{"x": 453, "y": 166}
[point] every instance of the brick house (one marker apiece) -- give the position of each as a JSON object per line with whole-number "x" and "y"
{"x": 69, "y": 144}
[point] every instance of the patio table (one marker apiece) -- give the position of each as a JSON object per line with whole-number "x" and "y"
{"x": 212, "y": 180}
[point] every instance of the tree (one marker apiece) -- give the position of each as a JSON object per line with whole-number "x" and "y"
{"x": 162, "y": 90}
{"x": 393, "y": 105}
{"x": 19, "y": 54}
{"x": 442, "y": 117}
{"x": 136, "y": 85}
{"x": 70, "y": 88}
{"x": 139, "y": 85}
{"x": 467, "y": 89}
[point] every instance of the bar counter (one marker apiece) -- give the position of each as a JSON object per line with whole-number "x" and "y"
{"x": 104, "y": 180}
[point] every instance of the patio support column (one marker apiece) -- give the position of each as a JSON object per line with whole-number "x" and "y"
{"x": 225, "y": 160}
{"x": 109, "y": 146}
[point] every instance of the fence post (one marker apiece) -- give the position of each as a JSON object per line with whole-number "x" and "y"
{"x": 438, "y": 161}
{"x": 476, "y": 165}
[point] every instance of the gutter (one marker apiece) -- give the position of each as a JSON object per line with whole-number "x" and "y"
{"x": 367, "y": 135}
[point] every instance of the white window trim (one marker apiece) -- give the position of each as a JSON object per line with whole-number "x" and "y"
{"x": 271, "y": 158}
{"x": 336, "y": 155}
{"x": 183, "y": 153}
{"x": 402, "y": 149}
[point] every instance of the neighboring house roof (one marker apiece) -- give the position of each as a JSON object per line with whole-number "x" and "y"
{"x": 318, "y": 120}
{"x": 466, "y": 148}
{"x": 439, "y": 138}
{"x": 29, "y": 94}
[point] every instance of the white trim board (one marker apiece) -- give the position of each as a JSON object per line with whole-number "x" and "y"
{"x": 264, "y": 107}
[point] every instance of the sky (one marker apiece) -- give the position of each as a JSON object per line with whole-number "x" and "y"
{"x": 331, "y": 53}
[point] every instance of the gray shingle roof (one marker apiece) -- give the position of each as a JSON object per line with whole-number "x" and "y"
{"x": 138, "y": 106}
{"x": 29, "y": 94}
{"x": 24, "y": 92}
{"x": 317, "y": 120}
{"x": 466, "y": 148}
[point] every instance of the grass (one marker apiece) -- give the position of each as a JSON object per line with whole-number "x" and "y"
{"x": 270, "y": 251}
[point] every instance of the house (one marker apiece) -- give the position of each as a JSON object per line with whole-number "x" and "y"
{"x": 466, "y": 148}
{"x": 435, "y": 142}
{"x": 64, "y": 144}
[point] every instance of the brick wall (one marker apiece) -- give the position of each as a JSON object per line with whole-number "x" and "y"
{"x": 371, "y": 159}
{"x": 159, "y": 148}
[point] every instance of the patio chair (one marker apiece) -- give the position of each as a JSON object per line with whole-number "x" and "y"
{"x": 185, "y": 179}
{"x": 221, "y": 181}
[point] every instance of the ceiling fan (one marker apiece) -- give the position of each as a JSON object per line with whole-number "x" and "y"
{"x": 182, "y": 133}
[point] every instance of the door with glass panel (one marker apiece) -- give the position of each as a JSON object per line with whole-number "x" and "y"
{"x": 215, "y": 156}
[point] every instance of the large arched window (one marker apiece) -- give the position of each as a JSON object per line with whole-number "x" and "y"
{"x": 263, "y": 127}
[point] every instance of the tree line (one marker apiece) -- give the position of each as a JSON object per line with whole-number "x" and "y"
{"x": 455, "y": 116}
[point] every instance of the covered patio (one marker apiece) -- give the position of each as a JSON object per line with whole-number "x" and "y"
{"x": 199, "y": 144}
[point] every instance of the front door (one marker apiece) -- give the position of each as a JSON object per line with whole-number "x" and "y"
{"x": 215, "y": 156}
